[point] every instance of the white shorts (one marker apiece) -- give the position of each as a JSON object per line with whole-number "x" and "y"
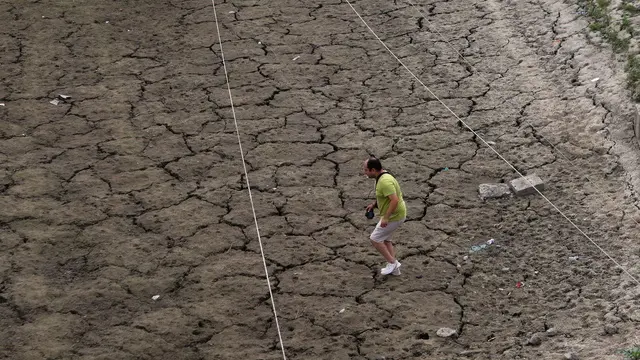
{"x": 381, "y": 234}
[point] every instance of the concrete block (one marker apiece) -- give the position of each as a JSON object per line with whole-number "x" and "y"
{"x": 523, "y": 186}
{"x": 493, "y": 191}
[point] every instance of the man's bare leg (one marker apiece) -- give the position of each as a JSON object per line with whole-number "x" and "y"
{"x": 384, "y": 251}
{"x": 390, "y": 248}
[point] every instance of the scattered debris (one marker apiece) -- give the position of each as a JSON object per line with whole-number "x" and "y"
{"x": 492, "y": 143}
{"x": 476, "y": 248}
{"x": 505, "y": 269}
{"x": 552, "y": 331}
{"x": 465, "y": 258}
{"x": 446, "y": 332}
{"x": 493, "y": 191}
{"x": 106, "y": 22}
{"x": 571, "y": 356}
{"x": 296, "y": 58}
{"x": 1, "y": 104}
{"x": 573, "y": 258}
{"x": 59, "y": 99}
{"x": 232, "y": 12}
{"x": 445, "y": 169}
{"x": 155, "y": 297}
{"x": 594, "y": 80}
{"x": 501, "y": 289}
{"x": 259, "y": 42}
{"x": 519, "y": 284}
{"x": 341, "y": 311}
{"x": 526, "y": 185}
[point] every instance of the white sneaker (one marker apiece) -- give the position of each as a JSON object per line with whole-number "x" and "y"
{"x": 390, "y": 268}
{"x": 396, "y": 272}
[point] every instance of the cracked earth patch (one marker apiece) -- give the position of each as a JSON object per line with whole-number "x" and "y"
{"x": 135, "y": 187}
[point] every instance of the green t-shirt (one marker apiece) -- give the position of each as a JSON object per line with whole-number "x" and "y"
{"x": 386, "y": 186}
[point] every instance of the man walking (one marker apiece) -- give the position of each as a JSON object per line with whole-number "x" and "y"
{"x": 391, "y": 210}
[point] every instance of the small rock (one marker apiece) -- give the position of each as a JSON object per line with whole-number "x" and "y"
{"x": 610, "y": 329}
{"x": 571, "y": 356}
{"x": 493, "y": 191}
{"x": 445, "y": 332}
{"x": 526, "y": 185}
{"x": 610, "y": 317}
{"x": 535, "y": 340}
{"x": 552, "y": 331}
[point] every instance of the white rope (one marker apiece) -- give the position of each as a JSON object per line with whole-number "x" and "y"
{"x": 246, "y": 175}
{"x": 490, "y": 147}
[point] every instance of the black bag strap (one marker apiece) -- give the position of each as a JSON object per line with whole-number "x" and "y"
{"x": 380, "y": 175}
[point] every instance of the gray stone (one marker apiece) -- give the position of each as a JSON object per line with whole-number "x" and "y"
{"x": 636, "y": 123}
{"x": 523, "y": 186}
{"x": 611, "y": 318}
{"x": 571, "y": 356}
{"x": 535, "y": 340}
{"x": 493, "y": 191}
{"x": 446, "y": 332}
{"x": 610, "y": 329}
{"x": 552, "y": 331}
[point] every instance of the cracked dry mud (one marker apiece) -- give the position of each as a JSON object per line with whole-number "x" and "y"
{"x": 135, "y": 187}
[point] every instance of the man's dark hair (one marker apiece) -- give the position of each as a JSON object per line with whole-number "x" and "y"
{"x": 374, "y": 164}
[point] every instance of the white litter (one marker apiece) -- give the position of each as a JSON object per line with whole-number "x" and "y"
{"x": 155, "y": 297}
{"x": 594, "y": 80}
{"x": 296, "y": 58}
{"x": 259, "y": 42}
{"x": 64, "y": 97}
{"x": 492, "y": 143}
{"x": 54, "y": 102}
{"x": 106, "y": 22}
{"x": 232, "y": 12}
{"x": 1, "y": 104}
{"x": 341, "y": 311}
